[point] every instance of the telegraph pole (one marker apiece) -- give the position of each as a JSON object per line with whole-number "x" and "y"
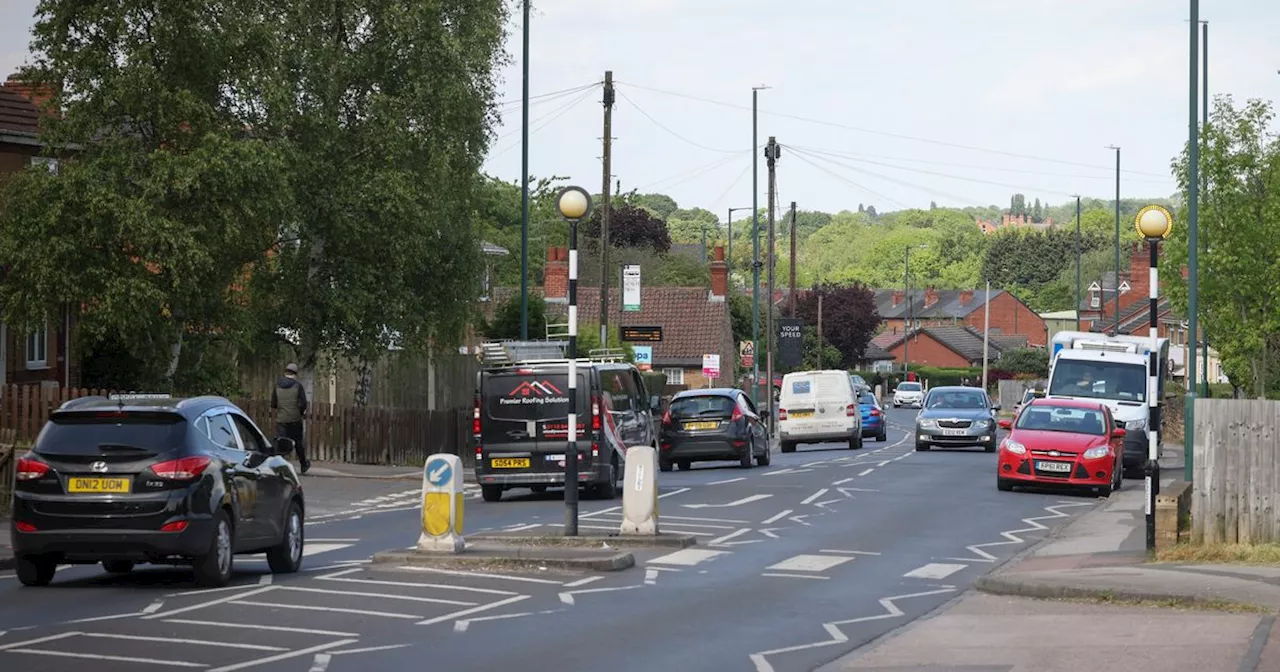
{"x": 1117, "y": 283}
{"x": 524, "y": 186}
{"x": 755, "y": 245}
{"x": 771, "y": 153}
{"x": 1193, "y": 248}
{"x": 1204, "y": 179}
{"x": 605, "y": 208}
{"x": 1078, "y": 253}
{"x": 792, "y": 293}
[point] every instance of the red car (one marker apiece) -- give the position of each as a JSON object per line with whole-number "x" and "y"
{"x": 1062, "y": 442}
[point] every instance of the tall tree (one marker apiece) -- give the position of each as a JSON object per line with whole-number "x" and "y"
{"x": 1037, "y": 212}
{"x": 849, "y": 317}
{"x": 631, "y": 226}
{"x": 1018, "y": 205}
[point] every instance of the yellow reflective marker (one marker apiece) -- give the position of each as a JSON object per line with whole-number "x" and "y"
{"x": 442, "y": 501}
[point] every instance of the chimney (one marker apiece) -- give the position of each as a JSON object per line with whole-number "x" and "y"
{"x": 719, "y": 275}
{"x": 555, "y": 277}
{"x": 1139, "y": 273}
{"x": 38, "y": 96}
{"x": 930, "y": 297}
{"x": 966, "y": 297}
{"x": 898, "y": 297}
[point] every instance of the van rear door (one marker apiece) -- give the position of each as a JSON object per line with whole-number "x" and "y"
{"x": 526, "y": 420}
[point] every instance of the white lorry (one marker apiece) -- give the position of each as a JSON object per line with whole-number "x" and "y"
{"x": 1114, "y": 370}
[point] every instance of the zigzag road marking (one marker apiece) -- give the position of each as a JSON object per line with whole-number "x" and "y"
{"x": 1011, "y": 536}
{"x": 891, "y": 610}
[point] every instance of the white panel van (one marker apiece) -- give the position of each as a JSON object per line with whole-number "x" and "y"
{"x": 818, "y": 407}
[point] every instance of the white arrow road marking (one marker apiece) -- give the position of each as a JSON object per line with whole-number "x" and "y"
{"x": 461, "y": 626}
{"x": 1012, "y": 536}
{"x": 814, "y": 496}
{"x": 837, "y": 636}
{"x": 846, "y": 491}
{"x": 567, "y": 597}
{"x": 823, "y": 505}
{"x": 800, "y": 519}
{"x": 769, "y": 531}
{"x": 774, "y": 519}
{"x": 740, "y": 502}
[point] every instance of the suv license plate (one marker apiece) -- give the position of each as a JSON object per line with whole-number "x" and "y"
{"x": 954, "y": 432}
{"x": 98, "y": 485}
{"x": 509, "y": 463}
{"x": 1060, "y": 467}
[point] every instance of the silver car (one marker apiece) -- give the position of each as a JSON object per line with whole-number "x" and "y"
{"x": 957, "y": 416}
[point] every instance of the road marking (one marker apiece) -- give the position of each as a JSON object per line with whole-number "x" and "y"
{"x": 745, "y": 500}
{"x": 41, "y": 640}
{"x": 884, "y": 463}
{"x": 814, "y": 496}
{"x": 844, "y": 480}
{"x": 285, "y": 656}
{"x": 334, "y": 541}
{"x": 667, "y": 520}
{"x": 934, "y": 570}
{"x": 814, "y": 464}
{"x": 768, "y": 531}
{"x": 583, "y": 582}
{"x": 1012, "y": 537}
{"x": 601, "y": 512}
{"x": 210, "y": 603}
{"x": 846, "y": 491}
{"x": 795, "y": 576}
{"x": 153, "y": 607}
{"x": 832, "y": 550}
{"x": 119, "y": 659}
{"x": 688, "y": 557}
{"x": 316, "y": 549}
{"x": 727, "y": 537}
{"x": 651, "y": 576}
{"x": 251, "y": 626}
{"x": 809, "y": 563}
{"x": 706, "y": 520}
{"x": 413, "y": 584}
{"x": 503, "y": 577}
{"x": 474, "y": 610}
{"x": 462, "y": 625}
{"x": 384, "y": 596}
{"x": 823, "y": 505}
{"x": 369, "y": 649}
{"x": 902, "y": 457}
{"x": 669, "y": 494}
{"x": 320, "y": 663}
{"x": 333, "y": 610}
{"x": 522, "y": 528}
{"x": 174, "y": 640}
{"x": 111, "y": 617}
{"x": 731, "y": 480}
{"x": 836, "y": 635}
{"x": 614, "y": 528}
{"x": 567, "y": 596}
{"x": 865, "y": 472}
{"x": 774, "y": 519}
{"x": 265, "y": 579}
{"x": 800, "y": 519}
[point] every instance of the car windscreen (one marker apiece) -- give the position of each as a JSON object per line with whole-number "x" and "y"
{"x": 87, "y": 433}
{"x": 522, "y": 397}
{"x": 909, "y": 387}
{"x": 956, "y": 399}
{"x": 858, "y": 380}
{"x": 1061, "y": 419}
{"x": 867, "y": 398}
{"x": 1099, "y": 379}
{"x": 713, "y": 406}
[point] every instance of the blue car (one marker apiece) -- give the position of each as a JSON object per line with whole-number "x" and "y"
{"x": 873, "y": 422}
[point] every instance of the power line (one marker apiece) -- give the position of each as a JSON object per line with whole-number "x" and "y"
{"x": 693, "y": 172}
{"x": 886, "y": 178}
{"x": 558, "y": 112}
{"x": 549, "y": 94}
{"x": 673, "y": 133}
{"x": 584, "y": 94}
{"x": 728, "y": 189}
{"x": 899, "y": 136}
{"x": 800, "y": 155}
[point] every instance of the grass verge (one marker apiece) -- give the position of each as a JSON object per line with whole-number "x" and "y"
{"x": 1239, "y": 554}
{"x": 1172, "y": 603}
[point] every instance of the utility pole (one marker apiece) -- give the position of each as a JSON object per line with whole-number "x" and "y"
{"x": 792, "y": 293}
{"x": 771, "y": 153}
{"x": 755, "y": 245}
{"x": 986, "y": 333}
{"x": 1193, "y": 248}
{"x": 906, "y": 330}
{"x": 605, "y": 206}
{"x": 1078, "y": 253}
{"x": 1117, "y": 283}
{"x": 1204, "y": 179}
{"x": 524, "y": 186}
{"x": 819, "y": 329}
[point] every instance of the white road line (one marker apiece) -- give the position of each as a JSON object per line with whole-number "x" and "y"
{"x": 285, "y": 656}
{"x": 832, "y": 550}
{"x": 668, "y": 523}
{"x": 800, "y": 519}
{"x": 796, "y": 576}
{"x": 614, "y": 528}
{"x": 522, "y": 528}
{"x": 567, "y": 597}
{"x": 687, "y": 557}
{"x": 333, "y": 541}
{"x": 583, "y": 582}
{"x": 118, "y": 659}
{"x": 176, "y": 640}
{"x": 1012, "y": 537}
{"x": 369, "y": 649}
{"x": 706, "y": 520}
{"x": 320, "y": 663}
{"x": 731, "y": 480}
{"x": 814, "y": 496}
{"x": 809, "y": 563}
{"x": 344, "y": 572}
{"x": 153, "y": 607}
{"x": 474, "y": 610}
{"x": 727, "y": 537}
{"x": 845, "y": 491}
{"x": 502, "y": 577}
{"x": 823, "y": 505}
{"x": 41, "y": 640}
{"x": 774, "y": 519}
{"x": 673, "y": 492}
{"x": 315, "y": 549}
{"x": 111, "y": 617}
{"x": 934, "y": 570}
{"x": 844, "y": 480}
{"x": 210, "y": 603}
{"x": 865, "y": 472}
{"x": 252, "y": 626}
{"x": 332, "y": 610}
{"x": 902, "y": 457}
{"x": 737, "y": 502}
{"x": 651, "y": 576}
{"x": 601, "y": 512}
{"x": 884, "y": 463}
{"x": 768, "y": 531}
{"x": 461, "y": 626}
{"x": 383, "y": 596}
{"x": 414, "y": 584}
{"x": 265, "y": 579}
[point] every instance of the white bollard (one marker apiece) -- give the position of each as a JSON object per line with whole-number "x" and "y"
{"x": 640, "y": 492}
{"x": 442, "y": 497}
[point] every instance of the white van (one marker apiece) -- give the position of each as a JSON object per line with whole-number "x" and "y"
{"x": 818, "y": 407}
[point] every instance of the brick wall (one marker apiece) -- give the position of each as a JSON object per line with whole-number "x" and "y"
{"x": 1013, "y": 318}
{"x": 925, "y": 351}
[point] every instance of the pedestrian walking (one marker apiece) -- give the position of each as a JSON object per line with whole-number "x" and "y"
{"x": 290, "y": 403}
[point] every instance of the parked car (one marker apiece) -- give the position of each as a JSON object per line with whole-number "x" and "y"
{"x": 955, "y": 416}
{"x": 132, "y": 479}
{"x": 1062, "y": 442}
{"x": 521, "y": 423}
{"x": 818, "y": 407}
{"x": 908, "y": 393}
{"x": 873, "y": 423}
{"x": 712, "y": 424}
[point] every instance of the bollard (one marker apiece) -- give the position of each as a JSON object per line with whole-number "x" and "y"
{"x": 442, "y": 498}
{"x": 640, "y": 492}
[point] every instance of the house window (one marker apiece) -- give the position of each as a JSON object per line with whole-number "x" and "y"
{"x": 674, "y": 376}
{"x": 49, "y": 164}
{"x": 1094, "y": 301}
{"x": 38, "y": 348}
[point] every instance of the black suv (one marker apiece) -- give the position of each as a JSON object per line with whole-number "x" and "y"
{"x": 147, "y": 478}
{"x": 521, "y": 425}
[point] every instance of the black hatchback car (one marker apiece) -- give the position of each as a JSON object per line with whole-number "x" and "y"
{"x": 712, "y": 424}
{"x": 147, "y": 478}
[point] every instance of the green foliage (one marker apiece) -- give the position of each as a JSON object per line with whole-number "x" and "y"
{"x": 589, "y": 339}
{"x": 1034, "y": 361}
{"x": 827, "y": 356}
{"x": 506, "y": 320}
{"x": 654, "y": 381}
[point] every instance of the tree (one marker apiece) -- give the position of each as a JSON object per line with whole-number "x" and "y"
{"x": 1037, "y": 212}
{"x": 849, "y": 317}
{"x": 1033, "y": 361}
{"x": 830, "y": 355}
{"x": 1018, "y": 205}
{"x": 631, "y": 226}
{"x": 871, "y": 211}
{"x": 689, "y": 226}
{"x": 661, "y": 205}
{"x": 506, "y": 320}
{"x": 933, "y": 205}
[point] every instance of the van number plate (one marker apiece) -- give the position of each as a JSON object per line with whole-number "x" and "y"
{"x": 510, "y": 463}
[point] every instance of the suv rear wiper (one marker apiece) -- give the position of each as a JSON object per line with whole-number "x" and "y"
{"x": 121, "y": 448}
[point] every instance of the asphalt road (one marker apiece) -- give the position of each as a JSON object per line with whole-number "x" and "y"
{"x": 796, "y": 564}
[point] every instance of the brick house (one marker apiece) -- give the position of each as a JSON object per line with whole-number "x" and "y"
{"x": 964, "y": 307}
{"x": 947, "y": 346}
{"x": 45, "y": 355}
{"x": 695, "y": 321}
{"x": 1008, "y": 220}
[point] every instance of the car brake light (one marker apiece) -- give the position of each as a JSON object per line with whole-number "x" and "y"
{"x": 475, "y": 417}
{"x": 24, "y": 527}
{"x": 782, "y": 414}
{"x": 595, "y": 450}
{"x": 30, "y": 469}
{"x": 595, "y": 414}
{"x": 181, "y": 469}
{"x": 737, "y": 414}
{"x": 875, "y": 411}
{"x": 850, "y": 410}
{"x": 666, "y": 417}
{"x": 175, "y": 526}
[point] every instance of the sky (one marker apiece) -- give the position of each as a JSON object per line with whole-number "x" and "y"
{"x": 892, "y": 104}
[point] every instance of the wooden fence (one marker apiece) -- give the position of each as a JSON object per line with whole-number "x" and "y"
{"x": 8, "y": 460}
{"x": 1237, "y": 472}
{"x": 371, "y": 435}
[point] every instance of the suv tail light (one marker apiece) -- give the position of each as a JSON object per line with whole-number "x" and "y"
{"x": 595, "y": 414}
{"x": 475, "y": 417}
{"x": 181, "y": 469}
{"x": 666, "y": 417}
{"x": 29, "y": 469}
{"x": 782, "y": 414}
{"x": 737, "y": 414}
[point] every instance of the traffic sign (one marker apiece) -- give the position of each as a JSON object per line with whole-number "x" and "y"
{"x": 442, "y": 500}
{"x": 711, "y": 366}
{"x": 441, "y": 474}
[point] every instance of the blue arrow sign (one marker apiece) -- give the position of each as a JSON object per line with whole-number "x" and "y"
{"x": 439, "y": 474}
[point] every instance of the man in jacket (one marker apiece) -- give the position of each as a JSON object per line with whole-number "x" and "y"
{"x": 290, "y": 403}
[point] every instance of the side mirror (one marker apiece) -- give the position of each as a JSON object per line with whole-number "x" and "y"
{"x": 655, "y": 403}
{"x": 996, "y": 408}
{"x": 1005, "y": 424}
{"x": 1118, "y": 433}
{"x": 284, "y": 446}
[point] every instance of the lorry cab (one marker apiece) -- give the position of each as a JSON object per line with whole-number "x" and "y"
{"x": 1115, "y": 370}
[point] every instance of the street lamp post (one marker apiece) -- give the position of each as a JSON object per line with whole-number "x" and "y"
{"x": 1193, "y": 244}
{"x": 573, "y": 204}
{"x": 1153, "y": 223}
{"x": 731, "y": 211}
{"x": 524, "y": 185}
{"x": 1117, "y": 281}
{"x": 755, "y": 245}
{"x": 1079, "y": 298}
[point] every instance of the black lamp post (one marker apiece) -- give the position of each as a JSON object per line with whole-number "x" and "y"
{"x": 574, "y": 204}
{"x": 1153, "y": 223}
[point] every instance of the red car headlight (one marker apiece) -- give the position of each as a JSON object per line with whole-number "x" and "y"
{"x": 1014, "y": 447}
